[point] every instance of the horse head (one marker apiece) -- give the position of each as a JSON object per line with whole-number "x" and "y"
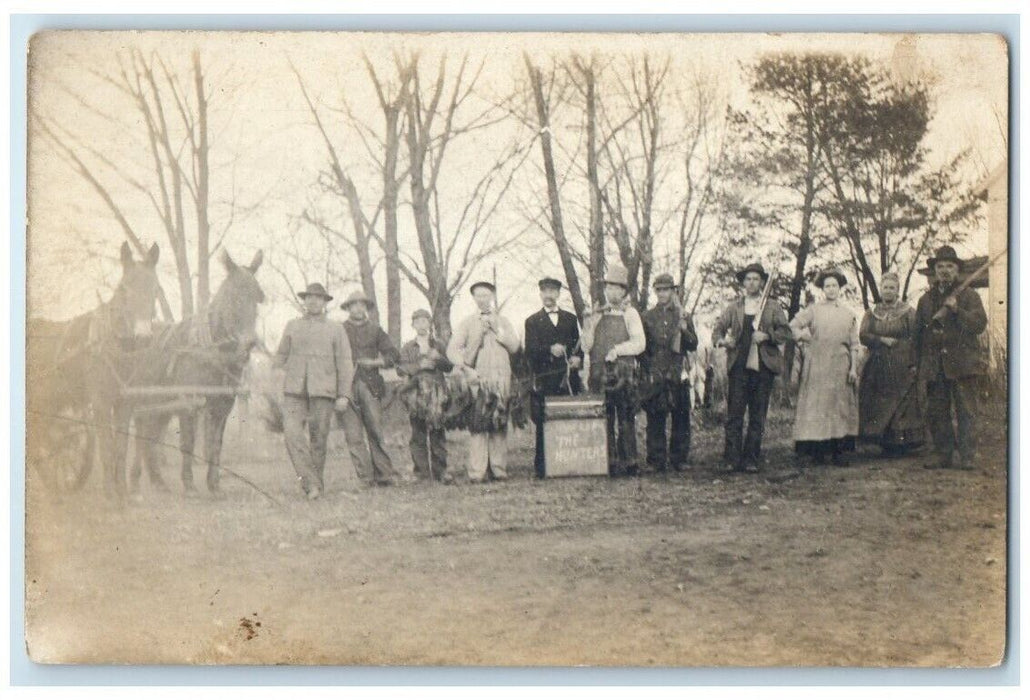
{"x": 132, "y": 306}
{"x": 233, "y": 310}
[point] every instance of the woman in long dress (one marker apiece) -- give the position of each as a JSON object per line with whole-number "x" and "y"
{"x": 888, "y": 403}
{"x": 826, "y": 422}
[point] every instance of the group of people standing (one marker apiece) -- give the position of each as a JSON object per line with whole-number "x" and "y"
{"x": 919, "y": 357}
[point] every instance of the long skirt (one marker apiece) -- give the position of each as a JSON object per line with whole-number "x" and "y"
{"x": 888, "y": 400}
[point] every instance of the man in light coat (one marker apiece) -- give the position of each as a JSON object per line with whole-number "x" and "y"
{"x": 481, "y": 347}
{"x": 316, "y": 355}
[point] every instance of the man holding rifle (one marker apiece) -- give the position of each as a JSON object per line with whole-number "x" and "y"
{"x": 949, "y": 319}
{"x": 751, "y": 329}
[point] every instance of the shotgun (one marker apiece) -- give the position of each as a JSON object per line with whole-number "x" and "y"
{"x": 752, "y": 352}
{"x": 968, "y": 281}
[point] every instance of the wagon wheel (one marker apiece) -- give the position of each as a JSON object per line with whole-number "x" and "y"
{"x": 66, "y": 455}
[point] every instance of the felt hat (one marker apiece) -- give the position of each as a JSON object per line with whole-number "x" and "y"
{"x": 315, "y": 290}
{"x": 664, "y": 281}
{"x": 753, "y": 267}
{"x": 549, "y": 282}
{"x": 617, "y": 274}
{"x": 356, "y": 297}
{"x": 945, "y": 254}
{"x": 421, "y": 313}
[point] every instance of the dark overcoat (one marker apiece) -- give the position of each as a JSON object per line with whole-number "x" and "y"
{"x": 548, "y": 370}
{"x": 773, "y": 322}
{"x": 950, "y": 344}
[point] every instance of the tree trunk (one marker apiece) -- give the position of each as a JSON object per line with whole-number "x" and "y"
{"x": 361, "y": 242}
{"x": 797, "y": 284}
{"x": 203, "y": 184}
{"x": 390, "y": 194}
{"x": 596, "y": 239}
{"x": 438, "y": 294}
{"x": 442, "y": 318}
{"x": 553, "y": 195}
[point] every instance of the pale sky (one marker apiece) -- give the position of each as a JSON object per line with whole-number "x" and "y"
{"x": 267, "y": 153}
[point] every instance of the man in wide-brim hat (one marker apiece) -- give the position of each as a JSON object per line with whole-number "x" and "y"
{"x": 372, "y": 350}
{"x": 670, "y": 336}
{"x": 358, "y": 297}
{"x": 950, "y": 359}
{"x": 755, "y": 268}
{"x": 749, "y": 389}
{"x": 319, "y": 375}
{"x": 613, "y": 338}
{"x": 315, "y": 290}
{"x": 554, "y": 357}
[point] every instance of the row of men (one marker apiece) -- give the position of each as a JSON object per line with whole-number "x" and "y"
{"x": 331, "y": 366}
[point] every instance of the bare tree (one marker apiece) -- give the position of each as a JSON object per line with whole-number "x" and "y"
{"x": 451, "y": 250}
{"x": 338, "y": 182}
{"x": 174, "y": 113}
{"x": 542, "y": 102}
{"x": 632, "y": 150}
{"x": 392, "y": 102}
{"x": 584, "y": 75}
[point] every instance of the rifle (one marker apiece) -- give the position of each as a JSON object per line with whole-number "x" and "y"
{"x": 677, "y": 341}
{"x": 969, "y": 281}
{"x": 752, "y": 353}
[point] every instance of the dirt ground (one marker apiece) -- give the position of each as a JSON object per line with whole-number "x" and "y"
{"x": 879, "y": 564}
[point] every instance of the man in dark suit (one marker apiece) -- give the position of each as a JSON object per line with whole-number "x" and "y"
{"x": 554, "y": 355}
{"x": 950, "y": 358}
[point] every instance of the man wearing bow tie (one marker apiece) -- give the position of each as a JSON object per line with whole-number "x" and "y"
{"x": 554, "y": 355}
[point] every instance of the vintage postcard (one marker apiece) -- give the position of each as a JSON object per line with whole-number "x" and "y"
{"x": 517, "y": 349}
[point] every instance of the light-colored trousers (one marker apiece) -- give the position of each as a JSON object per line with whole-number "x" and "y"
{"x": 488, "y": 450}
{"x": 306, "y": 422}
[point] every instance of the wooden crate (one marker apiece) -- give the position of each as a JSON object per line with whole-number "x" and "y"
{"x": 575, "y": 439}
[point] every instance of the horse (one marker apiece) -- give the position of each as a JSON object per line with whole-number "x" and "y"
{"x": 66, "y": 376}
{"x": 209, "y": 350}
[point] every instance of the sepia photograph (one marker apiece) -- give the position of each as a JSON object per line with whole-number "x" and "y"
{"x": 517, "y": 349}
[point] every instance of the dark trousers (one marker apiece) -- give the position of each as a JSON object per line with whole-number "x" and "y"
{"x": 941, "y": 396}
{"x": 672, "y": 400}
{"x": 364, "y": 420}
{"x": 428, "y": 449}
{"x": 620, "y": 418}
{"x": 747, "y": 391}
{"x": 536, "y": 408}
{"x": 306, "y": 422}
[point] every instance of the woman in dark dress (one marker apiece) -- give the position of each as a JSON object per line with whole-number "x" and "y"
{"x": 888, "y": 402}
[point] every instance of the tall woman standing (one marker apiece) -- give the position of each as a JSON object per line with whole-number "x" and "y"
{"x": 888, "y": 401}
{"x": 826, "y": 422}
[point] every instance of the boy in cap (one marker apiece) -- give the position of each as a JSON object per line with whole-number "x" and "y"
{"x": 482, "y": 346}
{"x": 423, "y": 358}
{"x": 748, "y": 390}
{"x": 670, "y": 335}
{"x": 319, "y": 375}
{"x": 950, "y": 359}
{"x": 372, "y": 350}
{"x": 554, "y": 356}
{"x": 613, "y": 337}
